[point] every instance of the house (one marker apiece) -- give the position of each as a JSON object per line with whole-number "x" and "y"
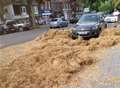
{"x": 18, "y": 10}
{"x": 57, "y": 8}
{"x": 45, "y": 10}
{"x": 66, "y": 8}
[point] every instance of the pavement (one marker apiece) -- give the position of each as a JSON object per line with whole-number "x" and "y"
{"x": 110, "y": 68}
{"x": 108, "y": 75}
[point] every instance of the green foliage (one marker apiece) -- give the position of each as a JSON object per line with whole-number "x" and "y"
{"x": 116, "y": 4}
{"x": 101, "y": 5}
{"x": 23, "y": 1}
{"x": 106, "y": 6}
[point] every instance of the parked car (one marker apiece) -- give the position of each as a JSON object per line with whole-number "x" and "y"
{"x": 22, "y": 25}
{"x": 1, "y": 29}
{"x": 89, "y": 25}
{"x": 111, "y": 19}
{"x": 9, "y": 27}
{"x": 58, "y": 22}
{"x": 16, "y": 25}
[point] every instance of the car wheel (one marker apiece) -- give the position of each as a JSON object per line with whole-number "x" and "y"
{"x": 51, "y": 27}
{"x": 21, "y": 29}
{"x": 60, "y": 26}
{"x": 97, "y": 33}
{"x": 4, "y": 32}
{"x": 73, "y": 36}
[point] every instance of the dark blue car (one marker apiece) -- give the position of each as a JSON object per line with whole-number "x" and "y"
{"x": 1, "y": 29}
{"x": 89, "y": 25}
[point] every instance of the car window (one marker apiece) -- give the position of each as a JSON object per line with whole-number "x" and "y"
{"x": 11, "y": 22}
{"x": 54, "y": 20}
{"x": 89, "y": 18}
{"x": 59, "y": 19}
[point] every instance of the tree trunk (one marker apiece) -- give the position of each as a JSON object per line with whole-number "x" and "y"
{"x": 30, "y": 13}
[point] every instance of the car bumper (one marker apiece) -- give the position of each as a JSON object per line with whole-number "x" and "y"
{"x": 84, "y": 33}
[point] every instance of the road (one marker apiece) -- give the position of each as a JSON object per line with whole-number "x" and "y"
{"x": 21, "y": 37}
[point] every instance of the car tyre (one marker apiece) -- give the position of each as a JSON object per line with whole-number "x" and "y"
{"x": 73, "y": 36}
{"x": 4, "y": 32}
{"x": 51, "y": 27}
{"x": 21, "y": 29}
{"x": 97, "y": 34}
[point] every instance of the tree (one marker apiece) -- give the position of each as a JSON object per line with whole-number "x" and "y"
{"x": 92, "y": 4}
{"x": 30, "y": 12}
{"x": 101, "y": 5}
{"x": 116, "y": 4}
{"x": 106, "y": 6}
{"x": 3, "y": 3}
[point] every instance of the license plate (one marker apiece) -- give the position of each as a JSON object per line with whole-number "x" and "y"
{"x": 12, "y": 29}
{"x": 83, "y": 32}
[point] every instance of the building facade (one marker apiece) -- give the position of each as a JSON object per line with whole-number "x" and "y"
{"x": 45, "y": 10}
{"x": 57, "y": 8}
{"x": 66, "y": 8}
{"x": 19, "y": 9}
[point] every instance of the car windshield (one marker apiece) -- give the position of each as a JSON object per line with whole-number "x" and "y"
{"x": 89, "y": 18}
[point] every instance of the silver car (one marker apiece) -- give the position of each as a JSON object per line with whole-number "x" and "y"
{"x": 58, "y": 22}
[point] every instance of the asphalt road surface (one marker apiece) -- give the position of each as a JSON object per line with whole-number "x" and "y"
{"x": 20, "y": 37}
